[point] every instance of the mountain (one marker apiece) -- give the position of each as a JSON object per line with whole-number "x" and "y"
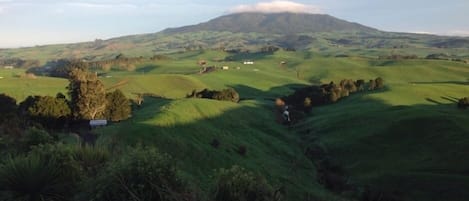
{"x": 250, "y": 32}
{"x": 274, "y": 23}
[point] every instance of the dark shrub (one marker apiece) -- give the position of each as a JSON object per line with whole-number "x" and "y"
{"x": 91, "y": 159}
{"x": 7, "y": 104}
{"x": 242, "y": 150}
{"x": 215, "y": 143}
{"x": 47, "y": 173}
{"x": 32, "y": 178}
{"x": 463, "y": 103}
{"x": 238, "y": 184}
{"x": 34, "y": 136}
{"x": 141, "y": 174}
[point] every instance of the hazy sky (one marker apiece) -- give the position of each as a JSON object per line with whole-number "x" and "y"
{"x": 36, "y": 22}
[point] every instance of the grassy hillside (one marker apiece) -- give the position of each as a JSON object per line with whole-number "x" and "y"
{"x": 278, "y": 23}
{"x": 186, "y": 128}
{"x": 15, "y": 84}
{"x": 408, "y": 140}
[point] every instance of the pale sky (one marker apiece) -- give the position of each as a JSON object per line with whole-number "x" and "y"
{"x": 38, "y": 22}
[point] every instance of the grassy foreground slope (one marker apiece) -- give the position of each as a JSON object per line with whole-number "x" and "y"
{"x": 186, "y": 128}
{"x": 408, "y": 140}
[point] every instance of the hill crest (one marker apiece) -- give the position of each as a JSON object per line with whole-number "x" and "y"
{"x": 274, "y": 23}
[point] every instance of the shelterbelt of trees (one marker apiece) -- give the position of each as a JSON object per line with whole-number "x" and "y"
{"x": 305, "y": 98}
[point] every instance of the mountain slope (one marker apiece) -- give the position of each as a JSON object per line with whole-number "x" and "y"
{"x": 274, "y": 23}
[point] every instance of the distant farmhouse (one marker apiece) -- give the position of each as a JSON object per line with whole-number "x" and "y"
{"x": 8, "y": 67}
{"x": 248, "y": 62}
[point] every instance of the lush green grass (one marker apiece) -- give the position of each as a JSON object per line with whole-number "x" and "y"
{"x": 409, "y": 137}
{"x": 185, "y": 129}
{"x": 20, "y": 88}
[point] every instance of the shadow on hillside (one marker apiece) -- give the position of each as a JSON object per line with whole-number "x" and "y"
{"x": 248, "y": 56}
{"x": 269, "y": 149}
{"x": 248, "y": 93}
{"x": 396, "y": 152}
{"x": 450, "y": 99}
{"x": 443, "y": 82}
{"x": 433, "y": 101}
{"x": 190, "y": 55}
{"x": 147, "y": 68}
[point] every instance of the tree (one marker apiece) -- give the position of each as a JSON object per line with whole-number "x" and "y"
{"x": 348, "y": 85}
{"x": 360, "y": 84}
{"x": 227, "y": 95}
{"x": 10, "y": 123}
{"x": 49, "y": 107}
{"x": 372, "y": 85}
{"x": 379, "y": 83}
{"x": 7, "y": 104}
{"x": 118, "y": 106}
{"x": 87, "y": 94}
{"x": 51, "y": 112}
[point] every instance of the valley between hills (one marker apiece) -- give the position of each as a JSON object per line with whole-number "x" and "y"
{"x": 195, "y": 113}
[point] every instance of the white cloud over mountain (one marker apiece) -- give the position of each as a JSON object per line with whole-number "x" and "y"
{"x": 276, "y": 6}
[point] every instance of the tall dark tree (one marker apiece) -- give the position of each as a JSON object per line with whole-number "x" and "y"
{"x": 87, "y": 94}
{"x": 9, "y": 120}
{"x": 118, "y": 106}
{"x": 7, "y": 104}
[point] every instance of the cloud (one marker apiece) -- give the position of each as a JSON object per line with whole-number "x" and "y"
{"x": 277, "y": 6}
{"x": 102, "y": 5}
{"x": 422, "y": 32}
{"x": 461, "y": 32}
{"x": 458, "y": 33}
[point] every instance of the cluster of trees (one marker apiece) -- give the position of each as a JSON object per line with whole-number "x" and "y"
{"x": 398, "y": 57}
{"x": 120, "y": 62}
{"x": 228, "y": 94}
{"x": 19, "y": 63}
{"x": 305, "y": 98}
{"x": 88, "y": 100}
{"x": 442, "y": 56}
{"x": 62, "y": 67}
{"x": 59, "y": 68}
{"x": 49, "y": 171}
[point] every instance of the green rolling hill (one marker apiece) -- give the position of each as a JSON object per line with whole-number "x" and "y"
{"x": 406, "y": 142}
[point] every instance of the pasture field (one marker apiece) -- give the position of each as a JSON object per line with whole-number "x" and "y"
{"x": 408, "y": 139}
